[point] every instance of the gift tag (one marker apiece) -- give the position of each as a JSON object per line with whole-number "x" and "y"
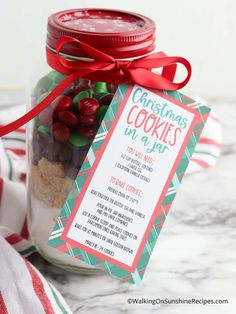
{"x": 129, "y": 180}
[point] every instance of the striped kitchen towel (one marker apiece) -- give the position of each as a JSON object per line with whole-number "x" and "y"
{"x": 22, "y": 288}
{"x": 209, "y": 145}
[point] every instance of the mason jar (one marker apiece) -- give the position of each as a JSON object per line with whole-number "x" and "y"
{"x": 60, "y": 136}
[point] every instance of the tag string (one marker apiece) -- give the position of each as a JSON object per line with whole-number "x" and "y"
{"x": 105, "y": 68}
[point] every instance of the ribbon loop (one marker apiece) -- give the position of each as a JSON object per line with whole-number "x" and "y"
{"x": 105, "y": 66}
{"x": 102, "y": 67}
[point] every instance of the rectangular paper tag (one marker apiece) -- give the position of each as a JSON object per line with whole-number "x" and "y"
{"x": 129, "y": 179}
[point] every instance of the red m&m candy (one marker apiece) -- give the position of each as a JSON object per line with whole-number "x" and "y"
{"x": 69, "y": 118}
{"x": 106, "y": 99}
{"x": 88, "y": 120}
{"x": 88, "y": 131}
{"x": 112, "y": 88}
{"x": 88, "y": 106}
{"x": 45, "y": 117}
{"x": 60, "y": 132}
{"x": 62, "y": 102}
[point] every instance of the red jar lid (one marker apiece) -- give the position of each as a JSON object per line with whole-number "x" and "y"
{"x": 119, "y": 33}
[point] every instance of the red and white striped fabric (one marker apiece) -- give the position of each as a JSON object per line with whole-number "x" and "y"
{"x": 22, "y": 287}
{"x": 209, "y": 145}
{"x": 23, "y": 290}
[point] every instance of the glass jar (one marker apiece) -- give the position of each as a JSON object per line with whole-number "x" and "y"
{"x": 60, "y": 136}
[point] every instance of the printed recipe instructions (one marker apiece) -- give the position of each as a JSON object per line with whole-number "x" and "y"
{"x": 116, "y": 209}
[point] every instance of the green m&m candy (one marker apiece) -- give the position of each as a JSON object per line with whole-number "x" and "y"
{"x": 43, "y": 129}
{"x": 100, "y": 87}
{"x": 101, "y": 113}
{"x": 51, "y": 75}
{"x": 36, "y": 121}
{"x": 42, "y": 97}
{"x": 79, "y": 96}
{"x": 78, "y": 140}
{"x": 58, "y": 77}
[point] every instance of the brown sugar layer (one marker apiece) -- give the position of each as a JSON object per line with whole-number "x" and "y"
{"x": 50, "y": 183}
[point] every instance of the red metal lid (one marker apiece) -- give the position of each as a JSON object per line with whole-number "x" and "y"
{"x": 119, "y": 33}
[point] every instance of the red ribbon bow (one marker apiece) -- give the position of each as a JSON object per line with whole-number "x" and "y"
{"x": 103, "y": 67}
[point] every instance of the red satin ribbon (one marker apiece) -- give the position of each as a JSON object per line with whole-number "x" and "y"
{"x": 105, "y": 68}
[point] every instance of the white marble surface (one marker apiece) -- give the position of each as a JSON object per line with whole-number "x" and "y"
{"x": 195, "y": 256}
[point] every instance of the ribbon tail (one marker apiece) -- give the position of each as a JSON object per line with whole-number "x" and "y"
{"x": 150, "y": 79}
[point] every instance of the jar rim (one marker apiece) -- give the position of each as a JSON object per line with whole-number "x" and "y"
{"x": 122, "y": 34}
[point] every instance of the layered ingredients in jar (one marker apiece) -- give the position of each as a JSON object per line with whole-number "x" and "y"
{"x": 63, "y": 133}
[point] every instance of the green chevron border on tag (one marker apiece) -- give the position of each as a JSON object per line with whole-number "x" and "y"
{"x": 55, "y": 238}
